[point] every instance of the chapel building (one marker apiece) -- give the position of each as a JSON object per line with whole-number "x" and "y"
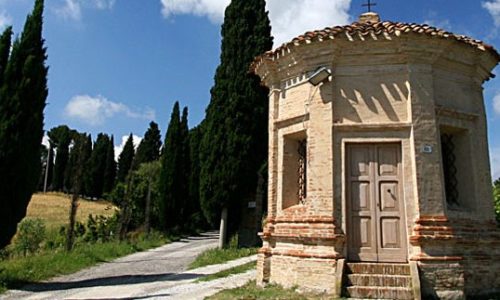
{"x": 379, "y": 175}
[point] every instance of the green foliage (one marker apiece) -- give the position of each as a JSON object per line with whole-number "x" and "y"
{"x": 194, "y": 208}
{"x": 96, "y": 168}
{"x": 496, "y": 198}
{"x": 174, "y": 171}
{"x": 125, "y": 159}
{"x": 80, "y": 154}
{"x": 30, "y": 234}
{"x": 234, "y": 143}
{"x": 18, "y": 271}
{"x": 23, "y": 93}
{"x": 5, "y": 44}
{"x": 101, "y": 228}
{"x": 218, "y": 256}
{"x": 110, "y": 167}
{"x": 271, "y": 291}
{"x": 60, "y": 138}
{"x": 149, "y": 147}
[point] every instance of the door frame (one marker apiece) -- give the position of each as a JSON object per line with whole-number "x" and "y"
{"x": 402, "y": 190}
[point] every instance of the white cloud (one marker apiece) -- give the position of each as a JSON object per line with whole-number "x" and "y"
{"x": 72, "y": 9}
{"x": 118, "y": 149}
{"x": 299, "y": 16}
{"x": 95, "y": 110}
{"x": 495, "y": 163}
{"x": 287, "y": 20}
{"x": 493, "y": 8}
{"x": 213, "y": 9}
{"x": 5, "y": 19}
{"x": 496, "y": 103}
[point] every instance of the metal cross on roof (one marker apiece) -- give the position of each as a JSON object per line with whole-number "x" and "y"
{"x": 369, "y": 5}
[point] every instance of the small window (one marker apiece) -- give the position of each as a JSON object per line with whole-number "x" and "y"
{"x": 294, "y": 170}
{"x": 457, "y": 168}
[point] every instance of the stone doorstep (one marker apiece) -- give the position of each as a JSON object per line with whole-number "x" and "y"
{"x": 379, "y": 280}
{"x": 378, "y": 268}
{"x": 372, "y": 292}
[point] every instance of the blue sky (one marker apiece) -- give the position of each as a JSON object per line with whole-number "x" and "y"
{"x": 117, "y": 64}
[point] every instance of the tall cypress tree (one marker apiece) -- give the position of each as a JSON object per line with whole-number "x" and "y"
{"x": 184, "y": 167}
{"x": 193, "y": 206}
{"x": 5, "y": 43}
{"x": 170, "y": 181}
{"x": 110, "y": 168}
{"x": 149, "y": 147}
{"x": 61, "y": 137}
{"x": 86, "y": 175}
{"x": 22, "y": 100}
{"x": 234, "y": 143}
{"x": 97, "y": 166}
{"x": 125, "y": 159}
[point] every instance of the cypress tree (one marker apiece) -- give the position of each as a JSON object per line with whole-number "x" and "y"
{"x": 5, "y": 43}
{"x": 97, "y": 166}
{"x": 234, "y": 143}
{"x": 193, "y": 206}
{"x": 170, "y": 181}
{"x": 110, "y": 169}
{"x": 125, "y": 159}
{"x": 149, "y": 147}
{"x": 60, "y": 137}
{"x": 86, "y": 176}
{"x": 185, "y": 209}
{"x": 22, "y": 100}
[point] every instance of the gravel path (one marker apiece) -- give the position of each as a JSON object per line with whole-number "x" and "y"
{"x": 155, "y": 274}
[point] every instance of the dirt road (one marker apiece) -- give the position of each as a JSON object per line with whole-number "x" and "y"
{"x": 138, "y": 276}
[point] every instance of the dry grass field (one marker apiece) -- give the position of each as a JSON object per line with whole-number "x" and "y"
{"x": 53, "y": 208}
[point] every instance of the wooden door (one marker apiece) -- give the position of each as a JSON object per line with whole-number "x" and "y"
{"x": 375, "y": 204}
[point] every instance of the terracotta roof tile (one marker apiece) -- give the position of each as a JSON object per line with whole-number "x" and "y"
{"x": 359, "y": 30}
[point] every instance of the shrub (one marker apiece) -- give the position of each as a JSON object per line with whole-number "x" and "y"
{"x": 31, "y": 233}
{"x": 101, "y": 228}
{"x": 496, "y": 199}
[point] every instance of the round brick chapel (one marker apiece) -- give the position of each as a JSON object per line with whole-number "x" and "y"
{"x": 379, "y": 175}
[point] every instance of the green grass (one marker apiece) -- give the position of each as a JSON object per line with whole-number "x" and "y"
{"x": 271, "y": 291}
{"x": 17, "y": 271}
{"x": 218, "y": 256}
{"x": 225, "y": 273}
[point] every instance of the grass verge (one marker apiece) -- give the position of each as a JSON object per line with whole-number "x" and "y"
{"x": 226, "y": 273}
{"x": 19, "y": 271}
{"x": 218, "y": 256}
{"x": 271, "y": 291}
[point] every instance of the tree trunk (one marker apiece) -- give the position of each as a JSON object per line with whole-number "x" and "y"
{"x": 223, "y": 228}
{"x": 147, "y": 213}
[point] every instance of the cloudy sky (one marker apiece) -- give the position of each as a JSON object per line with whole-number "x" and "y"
{"x": 116, "y": 64}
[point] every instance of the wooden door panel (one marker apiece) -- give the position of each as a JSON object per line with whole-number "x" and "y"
{"x": 360, "y": 196}
{"x": 360, "y": 161}
{"x": 387, "y": 158}
{"x": 390, "y": 236}
{"x": 375, "y": 203}
{"x": 389, "y": 197}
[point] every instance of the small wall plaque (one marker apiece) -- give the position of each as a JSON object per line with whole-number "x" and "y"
{"x": 427, "y": 149}
{"x": 252, "y": 204}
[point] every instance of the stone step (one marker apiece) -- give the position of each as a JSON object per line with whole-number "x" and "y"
{"x": 371, "y": 292}
{"x": 379, "y": 280}
{"x": 378, "y": 268}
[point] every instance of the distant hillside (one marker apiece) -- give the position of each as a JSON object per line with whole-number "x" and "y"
{"x": 53, "y": 208}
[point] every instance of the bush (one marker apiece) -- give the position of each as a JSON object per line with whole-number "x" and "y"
{"x": 101, "y": 228}
{"x": 30, "y": 234}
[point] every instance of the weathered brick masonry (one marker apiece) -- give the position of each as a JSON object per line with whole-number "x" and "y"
{"x": 379, "y": 177}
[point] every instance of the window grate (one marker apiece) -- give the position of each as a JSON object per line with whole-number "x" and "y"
{"x": 302, "y": 171}
{"x": 449, "y": 168}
